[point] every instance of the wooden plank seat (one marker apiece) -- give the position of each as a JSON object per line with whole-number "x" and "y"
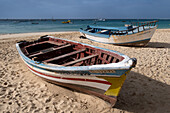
{"x": 56, "y": 43}
{"x": 49, "y": 50}
{"x": 79, "y": 60}
{"x": 65, "y": 55}
{"x": 51, "y": 42}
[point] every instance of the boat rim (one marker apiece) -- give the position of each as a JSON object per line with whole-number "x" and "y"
{"x": 107, "y": 36}
{"x": 126, "y": 63}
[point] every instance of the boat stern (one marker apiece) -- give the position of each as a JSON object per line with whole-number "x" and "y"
{"x": 82, "y": 34}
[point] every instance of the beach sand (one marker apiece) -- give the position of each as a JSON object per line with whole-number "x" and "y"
{"x": 146, "y": 89}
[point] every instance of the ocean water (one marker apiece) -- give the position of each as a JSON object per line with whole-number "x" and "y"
{"x": 27, "y": 26}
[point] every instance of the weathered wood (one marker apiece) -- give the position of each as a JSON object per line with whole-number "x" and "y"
{"x": 43, "y": 42}
{"x": 42, "y": 51}
{"x": 78, "y": 64}
{"x": 35, "y": 44}
{"x": 65, "y": 55}
{"x": 104, "y": 60}
{"x": 49, "y": 50}
{"x": 93, "y": 61}
{"x": 114, "y": 60}
{"x": 109, "y": 59}
{"x": 79, "y": 60}
{"x": 46, "y": 52}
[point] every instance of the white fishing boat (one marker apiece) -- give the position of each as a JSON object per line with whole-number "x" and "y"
{"x": 130, "y": 35}
{"x": 79, "y": 66}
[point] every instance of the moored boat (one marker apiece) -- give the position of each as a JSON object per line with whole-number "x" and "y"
{"x": 66, "y": 22}
{"x": 83, "y": 67}
{"x": 131, "y": 35}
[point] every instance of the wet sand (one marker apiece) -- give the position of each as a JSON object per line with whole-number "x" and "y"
{"x": 146, "y": 89}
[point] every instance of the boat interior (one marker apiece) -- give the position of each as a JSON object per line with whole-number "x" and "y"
{"x": 67, "y": 53}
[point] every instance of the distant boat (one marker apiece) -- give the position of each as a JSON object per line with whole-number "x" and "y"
{"x": 130, "y": 35}
{"x": 54, "y": 20}
{"x": 34, "y": 23}
{"x": 67, "y": 22}
{"x": 101, "y": 19}
{"x": 24, "y": 20}
{"x": 86, "y": 68}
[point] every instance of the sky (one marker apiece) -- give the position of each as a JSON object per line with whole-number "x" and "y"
{"x": 84, "y": 9}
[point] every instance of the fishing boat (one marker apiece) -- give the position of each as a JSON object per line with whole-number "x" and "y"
{"x": 34, "y": 23}
{"x": 66, "y": 22}
{"x": 86, "y": 68}
{"x": 101, "y": 19}
{"x": 135, "y": 34}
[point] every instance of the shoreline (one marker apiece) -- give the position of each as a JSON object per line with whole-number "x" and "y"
{"x": 19, "y": 35}
{"x": 5, "y": 36}
{"x": 146, "y": 88}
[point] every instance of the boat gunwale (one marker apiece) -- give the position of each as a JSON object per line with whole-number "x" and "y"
{"x": 124, "y": 64}
{"x": 107, "y": 36}
{"x": 108, "y": 28}
{"x": 126, "y": 28}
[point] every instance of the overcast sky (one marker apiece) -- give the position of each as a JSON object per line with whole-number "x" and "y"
{"x": 89, "y": 9}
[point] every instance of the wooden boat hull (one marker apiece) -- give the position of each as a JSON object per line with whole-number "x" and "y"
{"x": 137, "y": 39}
{"x": 104, "y": 81}
{"x": 89, "y": 85}
{"x": 86, "y": 90}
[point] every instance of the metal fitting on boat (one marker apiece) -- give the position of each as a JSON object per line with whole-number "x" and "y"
{"x": 38, "y": 62}
{"x": 43, "y": 36}
{"x": 22, "y": 41}
{"x": 134, "y": 62}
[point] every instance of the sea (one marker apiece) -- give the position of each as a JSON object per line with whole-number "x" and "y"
{"x": 10, "y": 26}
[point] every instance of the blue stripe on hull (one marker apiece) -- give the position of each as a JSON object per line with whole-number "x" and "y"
{"x": 117, "y": 72}
{"x": 95, "y": 34}
{"x": 109, "y": 28}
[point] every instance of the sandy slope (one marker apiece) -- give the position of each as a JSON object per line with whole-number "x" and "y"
{"x": 146, "y": 89}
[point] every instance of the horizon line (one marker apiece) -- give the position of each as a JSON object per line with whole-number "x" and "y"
{"x": 81, "y": 18}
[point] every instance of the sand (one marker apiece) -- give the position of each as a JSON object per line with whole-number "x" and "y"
{"x": 146, "y": 89}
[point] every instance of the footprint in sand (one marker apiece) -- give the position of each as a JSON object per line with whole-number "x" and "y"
{"x": 2, "y": 91}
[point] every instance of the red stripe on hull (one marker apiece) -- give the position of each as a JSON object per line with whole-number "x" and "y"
{"x": 77, "y": 79}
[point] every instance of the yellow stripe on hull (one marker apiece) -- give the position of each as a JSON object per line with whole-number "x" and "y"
{"x": 117, "y": 83}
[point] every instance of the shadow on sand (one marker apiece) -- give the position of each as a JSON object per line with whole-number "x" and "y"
{"x": 142, "y": 94}
{"x": 150, "y": 45}
{"x": 158, "y": 45}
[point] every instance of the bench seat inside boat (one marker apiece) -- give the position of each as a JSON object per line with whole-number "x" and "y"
{"x": 68, "y": 54}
